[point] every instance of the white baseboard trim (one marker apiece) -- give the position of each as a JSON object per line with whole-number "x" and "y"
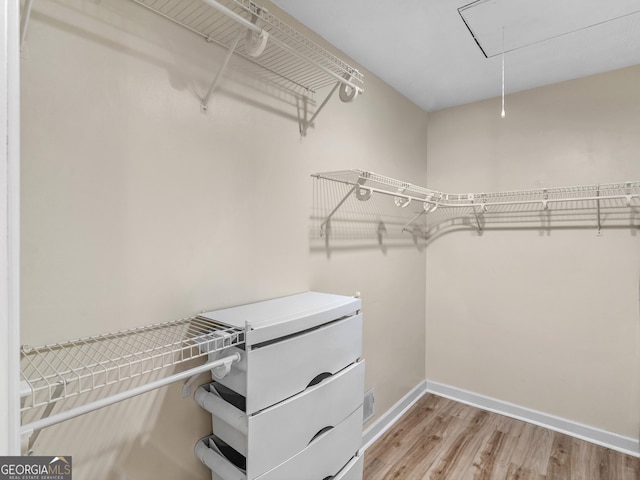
{"x": 603, "y": 438}
{"x": 391, "y": 416}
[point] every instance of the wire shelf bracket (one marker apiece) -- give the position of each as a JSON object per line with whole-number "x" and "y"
{"x": 25, "y": 16}
{"x": 204, "y": 105}
{"x": 598, "y": 210}
{"x": 250, "y": 31}
{"x": 361, "y": 194}
{"x": 405, "y": 227}
{"x": 477, "y": 213}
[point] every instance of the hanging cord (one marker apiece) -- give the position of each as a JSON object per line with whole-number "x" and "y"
{"x": 502, "y": 113}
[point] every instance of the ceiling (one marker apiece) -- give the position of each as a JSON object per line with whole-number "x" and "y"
{"x": 442, "y": 53}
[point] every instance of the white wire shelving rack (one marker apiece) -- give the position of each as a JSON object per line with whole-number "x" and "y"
{"x": 252, "y": 32}
{"x": 596, "y": 201}
{"x": 286, "y": 56}
{"x": 51, "y": 373}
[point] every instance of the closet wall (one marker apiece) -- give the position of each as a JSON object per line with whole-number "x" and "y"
{"x": 137, "y": 209}
{"x": 543, "y": 318}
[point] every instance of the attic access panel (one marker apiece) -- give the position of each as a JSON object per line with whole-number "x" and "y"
{"x": 528, "y": 22}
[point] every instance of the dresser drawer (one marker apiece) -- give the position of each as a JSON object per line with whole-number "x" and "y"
{"x": 289, "y": 426}
{"x": 352, "y": 470}
{"x": 271, "y": 372}
{"x": 326, "y": 456}
{"x": 299, "y": 419}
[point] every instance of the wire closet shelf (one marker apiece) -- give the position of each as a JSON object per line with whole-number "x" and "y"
{"x": 615, "y": 203}
{"x": 364, "y": 183}
{"x": 54, "y": 372}
{"x": 262, "y": 38}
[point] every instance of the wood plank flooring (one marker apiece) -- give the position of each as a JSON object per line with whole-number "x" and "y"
{"x": 439, "y": 439}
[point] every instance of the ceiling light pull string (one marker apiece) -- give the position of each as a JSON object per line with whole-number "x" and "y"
{"x": 502, "y": 114}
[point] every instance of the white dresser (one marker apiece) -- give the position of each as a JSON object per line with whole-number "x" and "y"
{"x": 291, "y": 409}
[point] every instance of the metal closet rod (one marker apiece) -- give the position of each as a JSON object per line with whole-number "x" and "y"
{"x": 253, "y": 27}
{"x": 29, "y": 428}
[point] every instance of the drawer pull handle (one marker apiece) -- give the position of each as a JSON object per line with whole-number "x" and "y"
{"x": 318, "y": 378}
{"x": 325, "y": 429}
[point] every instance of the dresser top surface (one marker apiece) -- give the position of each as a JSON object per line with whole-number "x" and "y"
{"x": 270, "y": 319}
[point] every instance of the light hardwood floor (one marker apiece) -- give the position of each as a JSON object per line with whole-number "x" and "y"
{"x": 439, "y": 439}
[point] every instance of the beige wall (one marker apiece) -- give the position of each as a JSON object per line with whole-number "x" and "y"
{"x": 545, "y": 319}
{"x": 138, "y": 209}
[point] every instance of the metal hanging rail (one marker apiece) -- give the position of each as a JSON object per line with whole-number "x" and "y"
{"x": 54, "y": 372}
{"x": 51, "y": 373}
{"x": 48, "y": 421}
{"x": 599, "y": 196}
{"x": 252, "y": 32}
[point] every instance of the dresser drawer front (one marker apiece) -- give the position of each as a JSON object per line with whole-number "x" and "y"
{"x": 271, "y": 373}
{"x": 324, "y": 457}
{"x": 280, "y": 370}
{"x": 353, "y": 470}
{"x": 330, "y": 455}
{"x": 288, "y": 427}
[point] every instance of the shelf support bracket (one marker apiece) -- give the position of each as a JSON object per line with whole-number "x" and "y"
{"x": 598, "y": 210}
{"x": 29, "y": 438}
{"x": 324, "y": 224}
{"x": 405, "y": 229}
{"x": 186, "y": 388}
{"x": 355, "y": 188}
{"x": 25, "y": 440}
{"x": 477, "y": 214}
{"x": 347, "y": 94}
{"x": 219, "y": 369}
{"x": 24, "y": 20}
{"x": 204, "y": 106}
{"x": 428, "y": 207}
{"x": 305, "y": 125}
